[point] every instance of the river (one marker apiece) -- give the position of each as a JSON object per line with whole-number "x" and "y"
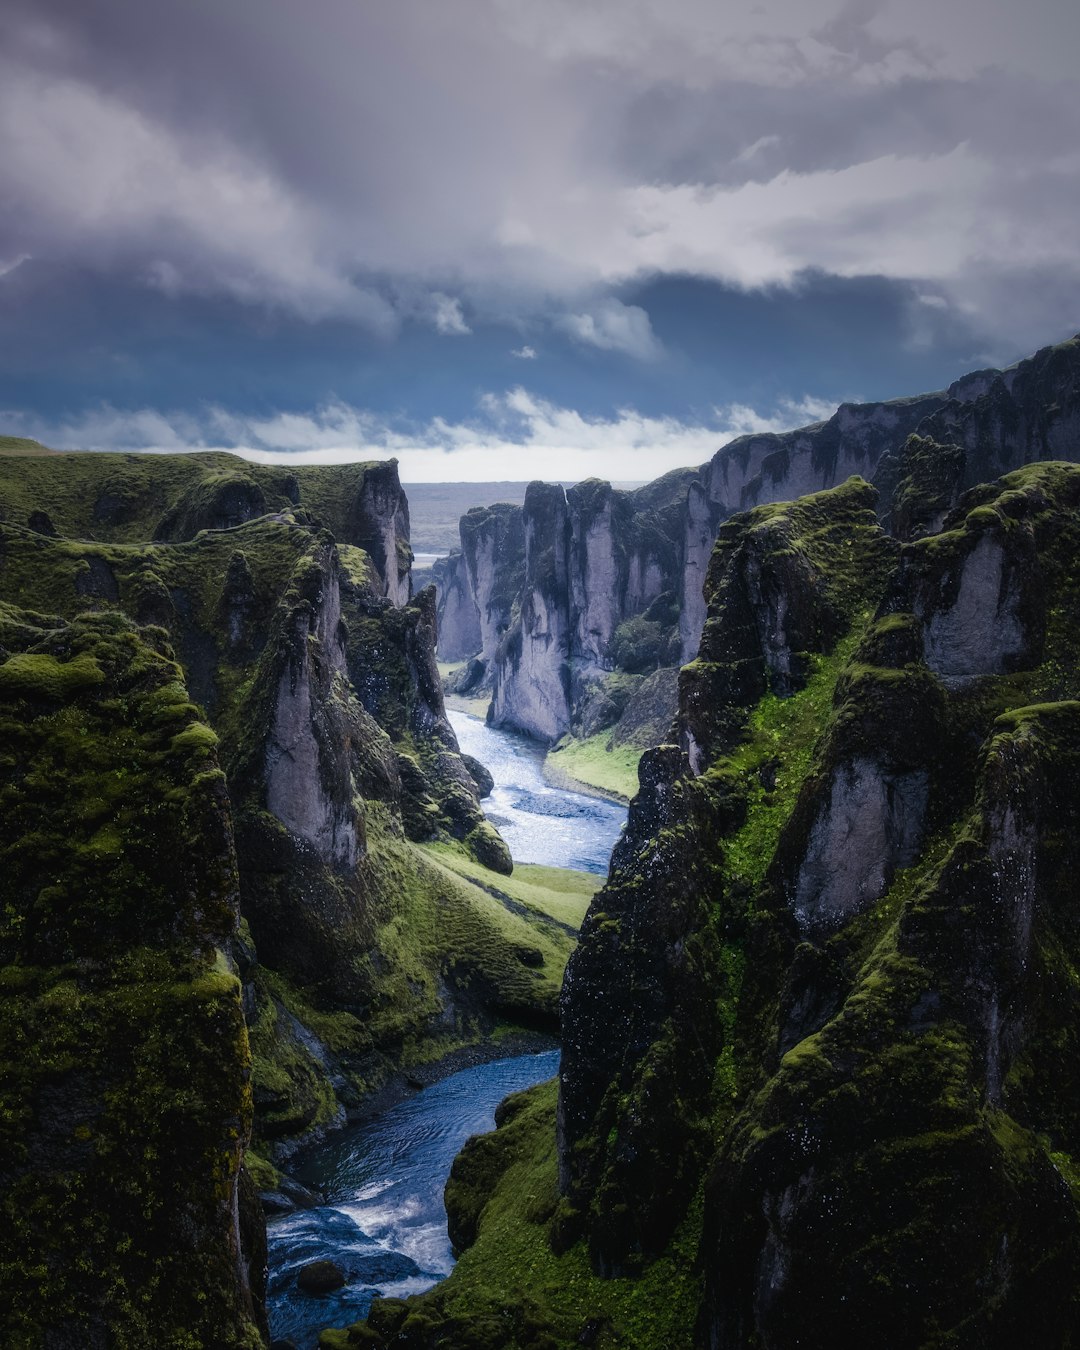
{"x": 383, "y": 1221}
{"x": 541, "y": 824}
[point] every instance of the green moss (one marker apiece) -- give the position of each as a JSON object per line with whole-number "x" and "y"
{"x": 28, "y": 674}
{"x": 125, "y": 1102}
{"x": 769, "y": 768}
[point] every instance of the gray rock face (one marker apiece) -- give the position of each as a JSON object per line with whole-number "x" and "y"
{"x": 478, "y": 586}
{"x": 620, "y": 551}
{"x": 532, "y": 679}
{"x": 981, "y": 630}
{"x": 595, "y": 557}
{"x": 459, "y": 622}
{"x": 296, "y": 775}
{"x": 1005, "y": 419}
{"x": 378, "y": 521}
{"x": 870, "y": 825}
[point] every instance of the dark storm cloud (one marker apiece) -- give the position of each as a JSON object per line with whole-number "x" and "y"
{"x": 435, "y": 162}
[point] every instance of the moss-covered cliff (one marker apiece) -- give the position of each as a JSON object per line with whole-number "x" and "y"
{"x": 126, "y": 1096}
{"x": 128, "y": 498}
{"x": 339, "y": 759}
{"x": 816, "y": 1084}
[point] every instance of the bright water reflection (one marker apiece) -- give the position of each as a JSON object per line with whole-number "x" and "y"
{"x": 540, "y": 824}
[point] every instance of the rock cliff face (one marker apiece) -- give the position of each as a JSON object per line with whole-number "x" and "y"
{"x": 481, "y": 584}
{"x": 126, "y": 1101}
{"x": 621, "y": 553}
{"x": 820, "y": 1029}
{"x": 886, "y": 951}
{"x": 594, "y": 560}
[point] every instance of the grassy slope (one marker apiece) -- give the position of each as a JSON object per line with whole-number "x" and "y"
{"x": 594, "y": 764}
{"x": 555, "y": 892}
{"x": 22, "y": 446}
{"x": 67, "y": 487}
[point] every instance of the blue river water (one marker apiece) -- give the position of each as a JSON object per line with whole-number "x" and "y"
{"x": 384, "y": 1222}
{"x": 540, "y": 824}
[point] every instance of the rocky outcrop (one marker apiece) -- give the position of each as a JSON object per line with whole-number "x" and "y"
{"x": 641, "y": 990}
{"x": 1001, "y": 420}
{"x": 491, "y": 571}
{"x": 459, "y": 620}
{"x": 779, "y": 466}
{"x": 377, "y": 520}
{"x": 599, "y": 566}
{"x": 532, "y": 681}
{"x": 126, "y": 1103}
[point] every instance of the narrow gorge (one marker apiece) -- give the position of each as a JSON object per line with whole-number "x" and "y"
{"x": 285, "y": 915}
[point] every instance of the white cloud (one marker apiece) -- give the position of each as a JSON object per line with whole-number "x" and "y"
{"x": 741, "y": 420}
{"x": 525, "y": 353}
{"x": 613, "y": 326}
{"x": 448, "y": 317}
{"x": 544, "y": 439}
{"x": 755, "y": 148}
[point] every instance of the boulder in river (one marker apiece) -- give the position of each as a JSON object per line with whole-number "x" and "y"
{"x": 320, "y": 1277}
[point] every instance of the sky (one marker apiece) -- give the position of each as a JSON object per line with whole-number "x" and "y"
{"x": 506, "y": 239}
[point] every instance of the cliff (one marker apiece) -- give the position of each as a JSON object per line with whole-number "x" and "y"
{"x": 818, "y": 1031}
{"x": 594, "y": 560}
{"x": 128, "y": 1219}
{"x": 624, "y": 591}
{"x": 127, "y": 498}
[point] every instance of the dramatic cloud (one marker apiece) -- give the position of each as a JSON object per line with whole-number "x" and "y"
{"x": 515, "y": 158}
{"x": 560, "y": 442}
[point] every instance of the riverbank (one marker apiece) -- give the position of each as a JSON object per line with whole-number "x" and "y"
{"x": 472, "y": 707}
{"x": 541, "y": 823}
{"x": 505, "y": 1042}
